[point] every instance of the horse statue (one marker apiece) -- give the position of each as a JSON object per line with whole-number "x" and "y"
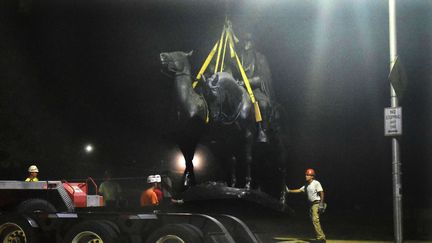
{"x": 220, "y": 104}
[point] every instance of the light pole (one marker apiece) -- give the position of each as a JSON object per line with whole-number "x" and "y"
{"x": 396, "y": 163}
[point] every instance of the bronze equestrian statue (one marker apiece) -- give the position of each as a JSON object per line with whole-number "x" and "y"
{"x": 220, "y": 104}
{"x": 258, "y": 72}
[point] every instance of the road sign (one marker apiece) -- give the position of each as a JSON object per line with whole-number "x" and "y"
{"x": 393, "y": 121}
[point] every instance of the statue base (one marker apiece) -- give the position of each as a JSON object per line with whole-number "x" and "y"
{"x": 211, "y": 191}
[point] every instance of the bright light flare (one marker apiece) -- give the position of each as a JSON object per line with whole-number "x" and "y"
{"x": 197, "y": 161}
{"x": 88, "y": 148}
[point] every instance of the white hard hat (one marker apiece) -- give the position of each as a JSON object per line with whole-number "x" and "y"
{"x": 33, "y": 168}
{"x": 151, "y": 179}
{"x": 157, "y": 178}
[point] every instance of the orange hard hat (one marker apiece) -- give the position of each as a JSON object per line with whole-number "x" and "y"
{"x": 310, "y": 172}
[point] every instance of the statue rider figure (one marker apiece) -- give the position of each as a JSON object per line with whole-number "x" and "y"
{"x": 258, "y": 72}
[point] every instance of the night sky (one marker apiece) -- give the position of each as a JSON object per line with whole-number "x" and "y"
{"x": 77, "y": 72}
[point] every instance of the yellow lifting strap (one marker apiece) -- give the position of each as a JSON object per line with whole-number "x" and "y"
{"x": 227, "y": 32}
{"x": 205, "y": 65}
{"x": 224, "y": 51}
{"x": 221, "y": 42}
{"x": 258, "y": 117}
{"x": 227, "y": 37}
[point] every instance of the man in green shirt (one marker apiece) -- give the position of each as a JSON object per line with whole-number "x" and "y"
{"x": 110, "y": 190}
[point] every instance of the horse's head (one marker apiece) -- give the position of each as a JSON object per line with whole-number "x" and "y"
{"x": 176, "y": 62}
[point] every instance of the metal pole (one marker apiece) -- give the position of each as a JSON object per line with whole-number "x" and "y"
{"x": 396, "y": 163}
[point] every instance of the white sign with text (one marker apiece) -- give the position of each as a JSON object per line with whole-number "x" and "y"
{"x": 393, "y": 121}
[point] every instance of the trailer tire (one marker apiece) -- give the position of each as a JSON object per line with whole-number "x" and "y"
{"x": 112, "y": 225}
{"x": 182, "y": 233}
{"x": 35, "y": 205}
{"x": 91, "y": 230}
{"x": 18, "y": 229}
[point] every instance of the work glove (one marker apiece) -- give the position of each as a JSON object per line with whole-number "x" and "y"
{"x": 322, "y": 207}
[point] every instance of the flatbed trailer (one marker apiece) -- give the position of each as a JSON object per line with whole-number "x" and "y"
{"x": 46, "y": 212}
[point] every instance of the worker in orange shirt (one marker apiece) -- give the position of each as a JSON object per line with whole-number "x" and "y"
{"x": 149, "y": 197}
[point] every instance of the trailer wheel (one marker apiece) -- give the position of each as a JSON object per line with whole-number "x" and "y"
{"x": 112, "y": 225}
{"x": 34, "y": 205}
{"x": 18, "y": 229}
{"x": 91, "y": 231}
{"x": 176, "y": 233}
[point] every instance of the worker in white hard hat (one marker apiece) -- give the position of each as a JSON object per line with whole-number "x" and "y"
{"x": 33, "y": 172}
{"x": 149, "y": 196}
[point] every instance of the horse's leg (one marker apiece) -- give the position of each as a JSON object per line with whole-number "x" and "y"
{"x": 233, "y": 164}
{"x": 247, "y": 153}
{"x": 281, "y": 160}
{"x": 188, "y": 175}
{"x": 263, "y": 126}
{"x": 282, "y": 174}
{"x": 283, "y": 194}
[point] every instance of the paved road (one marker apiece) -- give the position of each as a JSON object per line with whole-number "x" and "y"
{"x": 342, "y": 227}
{"x": 361, "y": 225}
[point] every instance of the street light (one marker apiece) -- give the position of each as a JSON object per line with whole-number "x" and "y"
{"x": 88, "y": 148}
